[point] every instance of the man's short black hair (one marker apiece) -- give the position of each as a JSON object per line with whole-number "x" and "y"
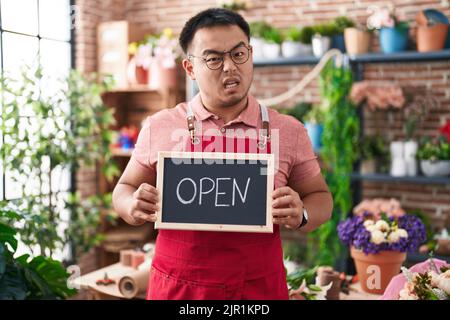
{"x": 210, "y": 18}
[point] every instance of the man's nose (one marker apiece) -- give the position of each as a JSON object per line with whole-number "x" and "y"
{"x": 228, "y": 64}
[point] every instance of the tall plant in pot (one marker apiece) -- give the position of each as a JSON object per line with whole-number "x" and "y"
{"x": 379, "y": 235}
{"x": 321, "y": 40}
{"x": 393, "y": 31}
{"x": 313, "y": 121}
{"x": 340, "y": 24}
{"x": 306, "y": 34}
{"x": 373, "y": 154}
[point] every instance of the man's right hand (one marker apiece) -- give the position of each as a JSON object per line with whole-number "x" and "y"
{"x": 144, "y": 204}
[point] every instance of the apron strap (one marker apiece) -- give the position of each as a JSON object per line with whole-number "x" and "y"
{"x": 265, "y": 133}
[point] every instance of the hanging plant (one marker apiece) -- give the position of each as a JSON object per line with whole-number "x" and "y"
{"x": 339, "y": 152}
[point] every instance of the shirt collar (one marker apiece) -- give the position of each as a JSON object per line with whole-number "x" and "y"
{"x": 249, "y": 115}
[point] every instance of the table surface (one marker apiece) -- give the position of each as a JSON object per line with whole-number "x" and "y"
{"x": 356, "y": 293}
{"x": 114, "y": 271}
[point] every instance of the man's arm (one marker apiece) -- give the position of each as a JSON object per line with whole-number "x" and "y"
{"x": 312, "y": 194}
{"x": 135, "y": 197}
{"x": 317, "y": 200}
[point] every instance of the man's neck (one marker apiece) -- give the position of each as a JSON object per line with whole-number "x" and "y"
{"x": 227, "y": 113}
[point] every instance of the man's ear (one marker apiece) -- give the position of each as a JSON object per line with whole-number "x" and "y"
{"x": 189, "y": 68}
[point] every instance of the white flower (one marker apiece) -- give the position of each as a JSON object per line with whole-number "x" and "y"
{"x": 402, "y": 233}
{"x": 368, "y": 223}
{"x": 404, "y": 294}
{"x": 377, "y": 237}
{"x": 393, "y": 236}
{"x": 382, "y": 225}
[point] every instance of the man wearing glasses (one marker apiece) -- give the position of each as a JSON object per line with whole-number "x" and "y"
{"x": 223, "y": 265}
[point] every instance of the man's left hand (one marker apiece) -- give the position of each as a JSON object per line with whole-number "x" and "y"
{"x": 287, "y": 207}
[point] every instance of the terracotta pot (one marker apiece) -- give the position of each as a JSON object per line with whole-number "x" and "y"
{"x": 142, "y": 75}
{"x": 375, "y": 271}
{"x": 162, "y": 78}
{"x": 356, "y": 41}
{"x": 431, "y": 38}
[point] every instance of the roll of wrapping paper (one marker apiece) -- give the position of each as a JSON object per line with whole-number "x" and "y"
{"x": 133, "y": 284}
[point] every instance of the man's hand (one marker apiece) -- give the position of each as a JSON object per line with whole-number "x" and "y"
{"x": 287, "y": 207}
{"x": 144, "y": 204}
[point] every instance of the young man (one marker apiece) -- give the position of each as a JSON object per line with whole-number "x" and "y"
{"x": 223, "y": 265}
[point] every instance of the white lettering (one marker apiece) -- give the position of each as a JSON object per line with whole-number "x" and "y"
{"x": 178, "y": 191}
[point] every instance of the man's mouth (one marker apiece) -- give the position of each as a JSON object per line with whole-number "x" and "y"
{"x": 231, "y": 84}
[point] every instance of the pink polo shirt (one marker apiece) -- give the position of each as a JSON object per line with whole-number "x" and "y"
{"x": 167, "y": 131}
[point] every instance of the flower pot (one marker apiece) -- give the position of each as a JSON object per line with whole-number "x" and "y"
{"x": 271, "y": 50}
{"x": 435, "y": 168}
{"x": 338, "y": 42}
{"x": 315, "y": 134}
{"x": 394, "y": 39}
{"x": 356, "y": 41}
{"x": 162, "y": 78}
{"x": 410, "y": 149}
{"x": 375, "y": 271}
{"x": 291, "y": 49}
{"x": 257, "y": 47}
{"x": 306, "y": 49}
{"x": 431, "y": 38}
{"x": 320, "y": 45}
{"x": 398, "y": 162}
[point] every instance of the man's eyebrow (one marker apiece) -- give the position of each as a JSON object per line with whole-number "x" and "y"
{"x": 208, "y": 51}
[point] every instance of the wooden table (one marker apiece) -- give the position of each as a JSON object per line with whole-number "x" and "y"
{"x": 356, "y": 293}
{"x": 110, "y": 292}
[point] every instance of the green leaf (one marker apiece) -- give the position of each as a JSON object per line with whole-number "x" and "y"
{"x": 8, "y": 235}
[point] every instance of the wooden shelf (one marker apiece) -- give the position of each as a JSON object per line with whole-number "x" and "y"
{"x": 139, "y": 88}
{"x": 119, "y": 152}
{"x": 390, "y": 179}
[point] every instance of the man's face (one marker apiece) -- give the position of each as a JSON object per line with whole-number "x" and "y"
{"x": 229, "y": 84}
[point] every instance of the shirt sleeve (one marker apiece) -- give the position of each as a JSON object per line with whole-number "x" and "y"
{"x": 305, "y": 164}
{"x": 142, "y": 150}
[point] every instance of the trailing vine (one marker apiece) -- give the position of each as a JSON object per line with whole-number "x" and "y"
{"x": 339, "y": 152}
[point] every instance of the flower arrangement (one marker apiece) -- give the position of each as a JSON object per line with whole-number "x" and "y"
{"x": 438, "y": 148}
{"x": 384, "y": 17}
{"x": 378, "y": 95}
{"x": 432, "y": 284}
{"x": 382, "y": 230}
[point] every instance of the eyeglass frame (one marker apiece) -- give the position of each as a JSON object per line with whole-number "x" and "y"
{"x": 223, "y": 53}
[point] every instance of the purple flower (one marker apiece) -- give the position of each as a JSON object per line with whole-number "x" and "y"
{"x": 352, "y": 232}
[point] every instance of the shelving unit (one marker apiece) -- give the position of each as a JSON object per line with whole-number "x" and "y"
{"x": 132, "y": 106}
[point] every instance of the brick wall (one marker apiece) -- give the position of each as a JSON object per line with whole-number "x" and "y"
{"x": 158, "y": 14}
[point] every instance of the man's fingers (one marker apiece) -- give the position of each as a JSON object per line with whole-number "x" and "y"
{"x": 150, "y": 217}
{"x": 281, "y": 220}
{"x": 283, "y": 212}
{"x": 149, "y": 193}
{"x": 283, "y": 201}
{"x": 282, "y": 191}
{"x": 146, "y": 206}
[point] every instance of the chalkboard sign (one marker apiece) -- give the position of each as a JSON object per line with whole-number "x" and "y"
{"x": 215, "y": 191}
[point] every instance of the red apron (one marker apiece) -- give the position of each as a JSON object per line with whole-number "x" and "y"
{"x": 212, "y": 265}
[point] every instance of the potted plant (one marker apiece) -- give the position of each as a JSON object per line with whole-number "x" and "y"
{"x": 257, "y": 30}
{"x": 340, "y": 24}
{"x": 313, "y": 122}
{"x": 305, "y": 37}
{"x": 357, "y": 39}
{"x": 431, "y": 31}
{"x": 434, "y": 156}
{"x": 291, "y": 46}
{"x": 379, "y": 235}
{"x": 393, "y": 32}
{"x": 321, "y": 40}
{"x": 272, "y": 43}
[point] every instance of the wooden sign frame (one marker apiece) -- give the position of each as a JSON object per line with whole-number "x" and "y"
{"x": 267, "y": 228}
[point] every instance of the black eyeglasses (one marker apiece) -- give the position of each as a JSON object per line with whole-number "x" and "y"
{"x": 214, "y": 61}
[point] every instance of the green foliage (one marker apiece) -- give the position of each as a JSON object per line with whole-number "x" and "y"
{"x": 341, "y": 23}
{"x": 24, "y": 277}
{"x": 434, "y": 150}
{"x": 372, "y": 147}
{"x": 258, "y": 28}
{"x": 292, "y": 34}
{"x": 272, "y": 35}
{"x": 316, "y": 114}
{"x": 63, "y": 129}
{"x": 296, "y": 278}
{"x": 306, "y": 34}
{"x": 325, "y": 29}
{"x": 339, "y": 152}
